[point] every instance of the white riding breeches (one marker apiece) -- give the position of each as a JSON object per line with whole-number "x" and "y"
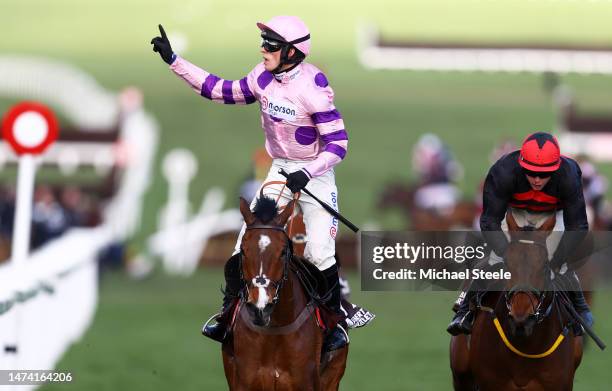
{"x": 321, "y": 227}
{"x": 524, "y": 218}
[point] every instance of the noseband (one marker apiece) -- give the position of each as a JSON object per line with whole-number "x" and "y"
{"x": 286, "y": 256}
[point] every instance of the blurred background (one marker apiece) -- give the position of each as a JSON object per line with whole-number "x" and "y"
{"x": 143, "y": 185}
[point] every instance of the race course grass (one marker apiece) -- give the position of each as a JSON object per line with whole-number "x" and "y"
{"x": 146, "y": 336}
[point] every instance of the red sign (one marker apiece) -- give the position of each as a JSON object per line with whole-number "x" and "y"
{"x": 29, "y": 127}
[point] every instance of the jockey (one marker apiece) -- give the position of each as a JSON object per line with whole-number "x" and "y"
{"x": 533, "y": 183}
{"x": 437, "y": 171}
{"x": 433, "y": 161}
{"x": 595, "y": 186}
{"x": 305, "y": 136}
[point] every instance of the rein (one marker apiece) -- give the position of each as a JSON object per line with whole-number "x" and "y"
{"x": 296, "y": 197}
{"x": 308, "y": 310}
{"x": 512, "y": 348}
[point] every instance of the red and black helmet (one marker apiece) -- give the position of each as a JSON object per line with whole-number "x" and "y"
{"x": 540, "y": 153}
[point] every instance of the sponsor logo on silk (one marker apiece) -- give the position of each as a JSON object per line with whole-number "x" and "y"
{"x": 333, "y": 230}
{"x": 278, "y": 108}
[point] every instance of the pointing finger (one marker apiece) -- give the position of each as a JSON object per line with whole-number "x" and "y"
{"x": 163, "y": 33}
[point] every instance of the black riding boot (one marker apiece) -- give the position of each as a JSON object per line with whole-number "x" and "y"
{"x": 336, "y": 338}
{"x": 218, "y": 331}
{"x": 464, "y": 318}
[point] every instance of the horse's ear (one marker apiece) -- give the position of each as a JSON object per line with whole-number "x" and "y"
{"x": 512, "y": 224}
{"x": 282, "y": 218}
{"x": 245, "y": 210}
{"x": 549, "y": 224}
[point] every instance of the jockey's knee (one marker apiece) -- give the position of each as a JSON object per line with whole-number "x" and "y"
{"x": 319, "y": 257}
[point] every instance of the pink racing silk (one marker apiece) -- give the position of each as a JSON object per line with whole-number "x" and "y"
{"x": 298, "y": 115}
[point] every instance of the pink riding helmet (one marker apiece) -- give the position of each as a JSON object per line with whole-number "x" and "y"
{"x": 292, "y": 29}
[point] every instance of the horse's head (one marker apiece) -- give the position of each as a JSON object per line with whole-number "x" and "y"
{"x": 266, "y": 250}
{"x": 527, "y": 260}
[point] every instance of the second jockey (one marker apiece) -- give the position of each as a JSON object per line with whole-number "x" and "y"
{"x": 532, "y": 183}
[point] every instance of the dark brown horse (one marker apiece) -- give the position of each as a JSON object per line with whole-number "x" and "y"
{"x": 277, "y": 338}
{"x": 519, "y": 339}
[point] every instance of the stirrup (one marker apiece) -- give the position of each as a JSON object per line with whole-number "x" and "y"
{"x": 330, "y": 347}
{"x": 208, "y": 321}
{"x": 461, "y": 324}
{"x": 217, "y": 332}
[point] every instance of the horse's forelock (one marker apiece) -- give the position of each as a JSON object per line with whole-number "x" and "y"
{"x": 265, "y": 209}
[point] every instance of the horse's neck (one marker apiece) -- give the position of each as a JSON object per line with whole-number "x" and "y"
{"x": 292, "y": 301}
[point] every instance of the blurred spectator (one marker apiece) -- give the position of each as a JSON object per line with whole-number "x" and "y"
{"x": 7, "y": 211}
{"x": 7, "y": 214}
{"x": 74, "y": 206}
{"x": 49, "y": 219}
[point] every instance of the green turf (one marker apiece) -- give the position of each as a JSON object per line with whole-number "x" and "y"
{"x": 146, "y": 335}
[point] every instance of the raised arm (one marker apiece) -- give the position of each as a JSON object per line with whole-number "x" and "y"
{"x": 206, "y": 84}
{"x": 213, "y": 87}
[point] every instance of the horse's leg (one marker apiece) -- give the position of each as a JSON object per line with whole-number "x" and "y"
{"x": 333, "y": 365}
{"x": 460, "y": 364}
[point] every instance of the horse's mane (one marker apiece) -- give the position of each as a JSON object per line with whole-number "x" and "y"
{"x": 265, "y": 209}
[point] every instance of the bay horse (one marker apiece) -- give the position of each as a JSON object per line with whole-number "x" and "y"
{"x": 521, "y": 338}
{"x": 277, "y": 336}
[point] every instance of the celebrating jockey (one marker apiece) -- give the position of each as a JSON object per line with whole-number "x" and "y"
{"x": 533, "y": 183}
{"x": 305, "y": 136}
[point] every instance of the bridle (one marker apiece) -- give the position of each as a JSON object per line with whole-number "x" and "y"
{"x": 259, "y": 280}
{"x": 539, "y": 315}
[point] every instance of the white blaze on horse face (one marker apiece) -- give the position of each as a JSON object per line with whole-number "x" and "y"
{"x": 264, "y": 242}
{"x": 261, "y": 282}
{"x": 262, "y": 298}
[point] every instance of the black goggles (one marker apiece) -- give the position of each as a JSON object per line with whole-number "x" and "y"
{"x": 542, "y": 175}
{"x": 271, "y": 45}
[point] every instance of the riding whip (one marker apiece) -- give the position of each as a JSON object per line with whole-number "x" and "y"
{"x": 325, "y": 206}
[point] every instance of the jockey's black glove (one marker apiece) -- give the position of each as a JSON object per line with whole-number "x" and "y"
{"x": 162, "y": 46}
{"x": 297, "y": 180}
